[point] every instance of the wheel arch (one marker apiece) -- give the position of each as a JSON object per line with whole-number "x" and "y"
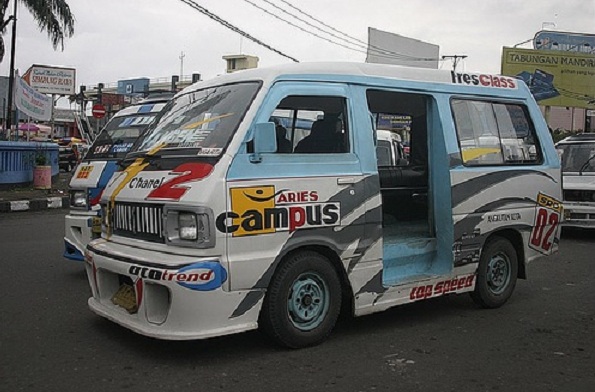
{"x": 516, "y": 239}
{"x": 347, "y": 304}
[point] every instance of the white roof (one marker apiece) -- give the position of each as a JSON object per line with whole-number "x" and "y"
{"x": 269, "y": 74}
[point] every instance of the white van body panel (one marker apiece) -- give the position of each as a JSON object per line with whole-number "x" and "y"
{"x": 263, "y": 208}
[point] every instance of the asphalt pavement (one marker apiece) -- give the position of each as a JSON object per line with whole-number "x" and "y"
{"x": 24, "y": 197}
{"x": 541, "y": 340}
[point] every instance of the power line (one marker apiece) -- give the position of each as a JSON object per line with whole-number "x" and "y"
{"x": 299, "y": 27}
{"x": 314, "y": 26}
{"x": 378, "y": 51}
{"x": 234, "y": 28}
{"x": 321, "y": 22}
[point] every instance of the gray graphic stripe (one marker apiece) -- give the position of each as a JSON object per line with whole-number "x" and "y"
{"x": 467, "y": 189}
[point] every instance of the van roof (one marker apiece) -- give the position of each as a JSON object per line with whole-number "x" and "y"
{"x": 579, "y": 138}
{"x": 343, "y": 70}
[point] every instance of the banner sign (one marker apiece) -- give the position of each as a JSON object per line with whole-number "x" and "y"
{"x": 555, "y": 78}
{"x": 31, "y": 102}
{"x": 51, "y": 80}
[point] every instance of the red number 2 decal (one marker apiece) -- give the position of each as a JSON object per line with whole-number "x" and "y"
{"x": 543, "y": 243}
{"x": 174, "y": 189}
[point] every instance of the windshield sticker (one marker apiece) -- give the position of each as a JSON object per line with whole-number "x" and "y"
{"x": 102, "y": 149}
{"x": 194, "y": 134}
{"x": 210, "y": 152}
{"x": 136, "y": 121}
{"x": 261, "y": 210}
{"x": 120, "y": 148}
{"x": 207, "y": 119}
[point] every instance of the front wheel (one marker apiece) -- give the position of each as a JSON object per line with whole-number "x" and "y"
{"x": 496, "y": 274}
{"x": 303, "y": 301}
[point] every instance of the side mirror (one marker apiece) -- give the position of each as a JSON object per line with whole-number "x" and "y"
{"x": 265, "y": 140}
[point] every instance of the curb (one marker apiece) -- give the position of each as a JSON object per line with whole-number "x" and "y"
{"x": 35, "y": 204}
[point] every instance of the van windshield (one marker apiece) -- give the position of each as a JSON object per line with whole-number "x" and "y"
{"x": 200, "y": 123}
{"x": 119, "y": 134}
{"x": 578, "y": 157}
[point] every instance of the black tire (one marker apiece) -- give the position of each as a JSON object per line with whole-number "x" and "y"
{"x": 303, "y": 301}
{"x": 496, "y": 274}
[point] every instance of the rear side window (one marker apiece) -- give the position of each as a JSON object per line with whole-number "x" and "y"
{"x": 494, "y": 133}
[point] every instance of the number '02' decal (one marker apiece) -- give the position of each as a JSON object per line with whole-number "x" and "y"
{"x": 545, "y": 228}
{"x": 175, "y": 188}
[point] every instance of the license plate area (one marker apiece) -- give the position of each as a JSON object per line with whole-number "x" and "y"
{"x": 125, "y": 297}
{"x": 96, "y": 225}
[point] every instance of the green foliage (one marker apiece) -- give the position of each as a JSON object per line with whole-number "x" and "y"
{"x": 559, "y": 134}
{"x": 52, "y": 16}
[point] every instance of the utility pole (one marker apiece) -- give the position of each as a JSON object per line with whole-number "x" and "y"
{"x": 182, "y": 55}
{"x": 11, "y": 71}
{"x": 455, "y": 59}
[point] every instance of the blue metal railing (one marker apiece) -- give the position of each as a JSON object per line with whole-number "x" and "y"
{"x": 17, "y": 160}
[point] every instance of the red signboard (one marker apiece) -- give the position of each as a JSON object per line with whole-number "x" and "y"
{"x": 98, "y": 110}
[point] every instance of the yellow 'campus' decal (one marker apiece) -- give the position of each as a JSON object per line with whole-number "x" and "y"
{"x": 262, "y": 210}
{"x": 252, "y": 199}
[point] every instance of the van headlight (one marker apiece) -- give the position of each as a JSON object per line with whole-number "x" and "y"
{"x": 78, "y": 199}
{"x": 189, "y": 226}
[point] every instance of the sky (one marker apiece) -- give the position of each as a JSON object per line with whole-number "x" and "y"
{"x": 125, "y": 39}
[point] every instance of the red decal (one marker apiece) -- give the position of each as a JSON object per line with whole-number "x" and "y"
{"x": 139, "y": 291}
{"x": 543, "y": 218}
{"x": 175, "y": 188}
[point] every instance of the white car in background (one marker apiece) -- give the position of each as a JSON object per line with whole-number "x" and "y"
{"x": 578, "y": 169}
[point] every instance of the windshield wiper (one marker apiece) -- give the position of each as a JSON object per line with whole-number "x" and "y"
{"x": 584, "y": 166}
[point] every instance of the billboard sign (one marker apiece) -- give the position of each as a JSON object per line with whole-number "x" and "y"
{"x": 51, "y": 80}
{"x": 555, "y": 78}
{"x": 570, "y": 42}
{"x": 389, "y": 48}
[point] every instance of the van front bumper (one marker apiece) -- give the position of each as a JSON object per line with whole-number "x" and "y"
{"x": 79, "y": 230}
{"x": 579, "y": 214}
{"x": 168, "y": 302}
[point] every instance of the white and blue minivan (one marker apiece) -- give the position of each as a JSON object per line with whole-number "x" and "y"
{"x": 211, "y": 228}
{"x": 83, "y": 223}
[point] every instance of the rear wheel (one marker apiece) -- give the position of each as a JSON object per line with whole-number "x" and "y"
{"x": 496, "y": 274}
{"x": 303, "y": 301}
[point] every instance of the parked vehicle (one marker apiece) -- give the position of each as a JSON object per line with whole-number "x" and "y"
{"x": 209, "y": 229}
{"x": 578, "y": 170}
{"x": 67, "y": 157}
{"x": 83, "y": 223}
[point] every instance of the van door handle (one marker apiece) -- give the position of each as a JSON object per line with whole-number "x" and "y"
{"x": 345, "y": 181}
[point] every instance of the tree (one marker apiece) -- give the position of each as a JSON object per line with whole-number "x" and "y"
{"x": 52, "y": 16}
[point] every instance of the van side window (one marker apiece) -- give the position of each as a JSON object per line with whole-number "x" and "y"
{"x": 493, "y": 133}
{"x": 311, "y": 125}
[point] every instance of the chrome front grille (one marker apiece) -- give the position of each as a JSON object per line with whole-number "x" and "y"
{"x": 143, "y": 221}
